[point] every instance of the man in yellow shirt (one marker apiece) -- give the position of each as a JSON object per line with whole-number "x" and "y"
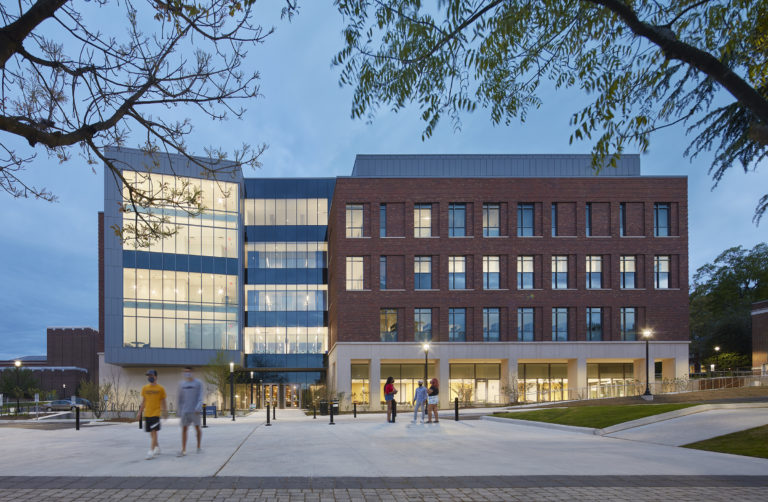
{"x": 153, "y": 406}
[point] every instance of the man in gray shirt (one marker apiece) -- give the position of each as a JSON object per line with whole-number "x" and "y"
{"x": 190, "y": 404}
{"x": 419, "y": 401}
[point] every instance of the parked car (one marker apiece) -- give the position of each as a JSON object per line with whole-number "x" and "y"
{"x": 66, "y": 404}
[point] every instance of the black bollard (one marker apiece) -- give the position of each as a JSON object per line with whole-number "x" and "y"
{"x": 456, "y": 409}
{"x": 394, "y": 411}
{"x": 314, "y": 411}
{"x": 331, "y": 404}
{"x": 204, "y": 413}
{"x": 77, "y": 418}
{"x": 274, "y": 410}
{"x": 268, "y": 424}
{"x": 354, "y": 410}
{"x": 216, "y": 412}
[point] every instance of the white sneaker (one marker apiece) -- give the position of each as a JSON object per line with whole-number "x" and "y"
{"x": 413, "y": 421}
{"x": 181, "y": 453}
{"x": 150, "y": 455}
{"x": 199, "y": 450}
{"x": 156, "y": 451}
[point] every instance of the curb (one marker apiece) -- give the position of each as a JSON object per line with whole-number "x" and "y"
{"x": 543, "y": 425}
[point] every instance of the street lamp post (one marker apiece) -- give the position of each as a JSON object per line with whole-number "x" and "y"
{"x": 17, "y": 363}
{"x": 251, "y": 388}
{"x": 426, "y": 362}
{"x": 232, "y": 388}
{"x": 261, "y": 390}
{"x": 63, "y": 391}
{"x": 717, "y": 356}
{"x": 647, "y": 333}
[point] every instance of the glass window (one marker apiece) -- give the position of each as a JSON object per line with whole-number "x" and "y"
{"x": 383, "y": 272}
{"x": 622, "y": 219}
{"x": 594, "y": 272}
{"x": 628, "y": 323}
{"x": 661, "y": 272}
{"x": 524, "y": 220}
{"x": 559, "y": 324}
{"x": 422, "y": 325}
{"x": 354, "y": 273}
{"x": 422, "y": 220}
{"x": 491, "y": 220}
{"x": 388, "y": 325}
{"x": 661, "y": 219}
{"x": 627, "y": 270}
{"x": 491, "y": 272}
{"x": 554, "y": 220}
{"x": 525, "y": 324}
{"x": 354, "y": 220}
{"x": 491, "y": 329}
{"x": 457, "y": 220}
{"x": 457, "y": 325}
{"x": 589, "y": 219}
{"x": 559, "y": 272}
{"x": 422, "y": 272}
{"x": 382, "y": 220}
{"x": 594, "y": 324}
{"x": 525, "y": 272}
{"x": 457, "y": 272}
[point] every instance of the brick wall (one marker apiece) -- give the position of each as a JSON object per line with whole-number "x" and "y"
{"x": 74, "y": 347}
{"x": 354, "y": 315}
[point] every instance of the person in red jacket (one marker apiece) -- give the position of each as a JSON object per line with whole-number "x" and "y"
{"x": 389, "y": 397}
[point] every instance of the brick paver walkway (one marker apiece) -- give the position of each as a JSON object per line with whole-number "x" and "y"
{"x": 489, "y": 488}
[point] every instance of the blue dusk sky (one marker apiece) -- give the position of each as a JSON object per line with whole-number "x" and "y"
{"x": 49, "y": 274}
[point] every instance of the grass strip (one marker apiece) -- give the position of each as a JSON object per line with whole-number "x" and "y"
{"x": 751, "y": 443}
{"x": 597, "y": 417}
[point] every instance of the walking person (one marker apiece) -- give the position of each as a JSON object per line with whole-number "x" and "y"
{"x": 420, "y": 402}
{"x": 190, "y": 405}
{"x": 389, "y": 397}
{"x": 433, "y": 400}
{"x": 152, "y": 407}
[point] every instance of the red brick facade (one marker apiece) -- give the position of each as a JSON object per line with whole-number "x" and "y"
{"x": 354, "y": 315}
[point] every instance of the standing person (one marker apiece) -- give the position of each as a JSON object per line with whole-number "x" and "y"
{"x": 389, "y": 397}
{"x": 433, "y": 400}
{"x": 153, "y": 407}
{"x": 420, "y": 401}
{"x": 190, "y": 404}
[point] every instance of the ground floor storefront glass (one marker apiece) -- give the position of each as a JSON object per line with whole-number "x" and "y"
{"x": 475, "y": 383}
{"x": 541, "y": 382}
{"x": 611, "y": 380}
{"x": 361, "y": 386}
{"x": 406, "y": 377}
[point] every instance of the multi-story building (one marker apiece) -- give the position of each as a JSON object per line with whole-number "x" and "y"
{"x": 527, "y": 275}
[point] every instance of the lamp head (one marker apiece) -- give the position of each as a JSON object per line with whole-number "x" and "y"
{"x": 231, "y": 367}
{"x": 647, "y": 333}
{"x": 425, "y": 347}
{"x": 17, "y": 363}
{"x": 717, "y": 348}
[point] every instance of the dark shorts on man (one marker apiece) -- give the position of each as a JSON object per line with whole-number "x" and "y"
{"x": 188, "y": 419}
{"x": 151, "y": 424}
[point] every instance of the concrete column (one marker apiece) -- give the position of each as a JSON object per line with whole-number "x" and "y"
{"x": 509, "y": 379}
{"x": 577, "y": 378}
{"x": 374, "y": 395}
{"x": 639, "y": 371}
{"x": 444, "y": 374}
{"x": 343, "y": 383}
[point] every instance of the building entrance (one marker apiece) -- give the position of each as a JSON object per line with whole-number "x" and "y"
{"x": 281, "y": 395}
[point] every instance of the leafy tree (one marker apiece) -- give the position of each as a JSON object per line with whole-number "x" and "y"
{"x": 216, "y": 373}
{"x": 27, "y": 383}
{"x": 96, "y": 393}
{"x": 721, "y": 299}
{"x": 646, "y": 66}
{"x": 71, "y": 83}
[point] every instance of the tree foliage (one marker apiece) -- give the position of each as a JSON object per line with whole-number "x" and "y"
{"x": 645, "y": 66}
{"x": 217, "y": 373}
{"x": 72, "y": 83}
{"x": 98, "y": 395}
{"x": 721, "y": 300}
{"x": 27, "y": 383}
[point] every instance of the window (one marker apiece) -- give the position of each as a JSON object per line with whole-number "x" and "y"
{"x": 354, "y": 220}
{"x": 525, "y": 272}
{"x": 382, "y": 220}
{"x": 457, "y": 220}
{"x": 491, "y": 220}
{"x": 422, "y": 272}
{"x": 388, "y": 325}
{"x": 594, "y": 324}
{"x": 422, "y": 220}
{"x": 383, "y": 272}
{"x": 622, "y": 219}
{"x": 559, "y": 324}
{"x": 491, "y": 272}
{"x": 354, "y": 273}
{"x": 491, "y": 325}
{"x": 554, "y": 220}
{"x": 457, "y": 272}
{"x": 524, "y": 220}
{"x": 661, "y": 219}
{"x": 422, "y": 325}
{"x": 589, "y": 219}
{"x": 629, "y": 323}
{"x": 525, "y": 324}
{"x": 559, "y": 272}
{"x": 661, "y": 272}
{"x": 627, "y": 269}
{"x": 457, "y": 325}
{"x": 594, "y": 272}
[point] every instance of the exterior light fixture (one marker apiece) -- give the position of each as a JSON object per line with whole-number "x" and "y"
{"x": 647, "y": 334}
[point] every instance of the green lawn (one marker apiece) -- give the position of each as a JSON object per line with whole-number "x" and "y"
{"x": 596, "y": 417}
{"x": 751, "y": 442}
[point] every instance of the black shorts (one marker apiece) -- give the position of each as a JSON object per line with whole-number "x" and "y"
{"x": 151, "y": 424}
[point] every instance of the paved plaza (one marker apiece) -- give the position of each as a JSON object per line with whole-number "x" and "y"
{"x": 298, "y": 458}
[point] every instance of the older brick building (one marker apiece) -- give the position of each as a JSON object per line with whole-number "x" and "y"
{"x": 524, "y": 273}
